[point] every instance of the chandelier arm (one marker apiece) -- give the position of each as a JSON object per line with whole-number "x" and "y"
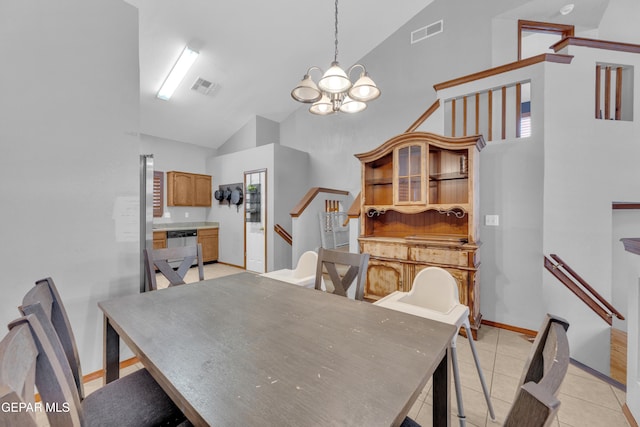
{"x": 335, "y": 56}
{"x": 308, "y": 73}
{"x": 364, "y": 70}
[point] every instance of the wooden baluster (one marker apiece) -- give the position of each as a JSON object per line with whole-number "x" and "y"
{"x": 518, "y": 110}
{"x": 453, "y": 117}
{"x": 607, "y": 93}
{"x": 464, "y": 116}
{"x": 477, "y": 113}
{"x": 504, "y": 112}
{"x": 490, "y": 115}
{"x": 598, "y": 76}
{"x": 618, "y": 112}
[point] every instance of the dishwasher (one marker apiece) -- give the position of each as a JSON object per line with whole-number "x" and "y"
{"x": 176, "y": 238}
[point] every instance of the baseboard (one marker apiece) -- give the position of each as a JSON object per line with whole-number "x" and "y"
{"x": 100, "y": 373}
{"x": 231, "y": 265}
{"x": 629, "y": 416}
{"x": 511, "y": 328}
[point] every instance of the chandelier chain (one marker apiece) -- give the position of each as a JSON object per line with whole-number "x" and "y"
{"x": 335, "y": 56}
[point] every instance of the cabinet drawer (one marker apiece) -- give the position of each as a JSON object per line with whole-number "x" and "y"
{"x": 385, "y": 250}
{"x": 207, "y": 232}
{"x": 438, "y": 256}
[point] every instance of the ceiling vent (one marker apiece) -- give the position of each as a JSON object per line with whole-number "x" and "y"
{"x": 426, "y": 32}
{"x": 203, "y": 86}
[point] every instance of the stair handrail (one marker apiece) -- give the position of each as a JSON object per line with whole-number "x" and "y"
{"x": 280, "y": 231}
{"x": 568, "y": 277}
{"x": 311, "y": 194}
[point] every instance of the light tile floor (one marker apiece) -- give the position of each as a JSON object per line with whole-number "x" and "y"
{"x": 585, "y": 399}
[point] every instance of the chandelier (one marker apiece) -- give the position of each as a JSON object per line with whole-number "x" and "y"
{"x": 334, "y": 91}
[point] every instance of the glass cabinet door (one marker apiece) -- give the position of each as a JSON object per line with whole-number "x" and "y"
{"x": 409, "y": 175}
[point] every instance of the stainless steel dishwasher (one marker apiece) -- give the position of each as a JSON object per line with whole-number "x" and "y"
{"x": 177, "y": 238}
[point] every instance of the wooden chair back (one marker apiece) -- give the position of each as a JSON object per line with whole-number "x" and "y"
{"x": 357, "y": 269}
{"x": 43, "y": 301}
{"x": 160, "y": 258}
{"x": 27, "y": 358}
{"x": 536, "y": 404}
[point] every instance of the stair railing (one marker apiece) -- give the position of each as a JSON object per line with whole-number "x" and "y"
{"x": 576, "y": 284}
{"x": 280, "y": 231}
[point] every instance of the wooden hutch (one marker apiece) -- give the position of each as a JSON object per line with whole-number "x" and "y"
{"x": 419, "y": 208}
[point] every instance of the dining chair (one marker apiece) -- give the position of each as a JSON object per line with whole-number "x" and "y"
{"x": 303, "y": 275}
{"x": 139, "y": 389}
{"x": 434, "y": 295}
{"x": 332, "y": 261}
{"x": 536, "y": 404}
{"x": 160, "y": 259}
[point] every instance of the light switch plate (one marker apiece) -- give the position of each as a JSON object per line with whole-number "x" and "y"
{"x": 492, "y": 220}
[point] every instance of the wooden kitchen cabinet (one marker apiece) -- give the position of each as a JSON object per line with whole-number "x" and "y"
{"x": 208, "y": 238}
{"x": 419, "y": 208}
{"x": 159, "y": 239}
{"x": 188, "y": 189}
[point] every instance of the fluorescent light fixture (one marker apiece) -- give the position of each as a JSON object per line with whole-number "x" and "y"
{"x": 177, "y": 73}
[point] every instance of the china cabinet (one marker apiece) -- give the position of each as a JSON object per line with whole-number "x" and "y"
{"x": 419, "y": 208}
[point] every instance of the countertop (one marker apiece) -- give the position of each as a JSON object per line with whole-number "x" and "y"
{"x": 184, "y": 226}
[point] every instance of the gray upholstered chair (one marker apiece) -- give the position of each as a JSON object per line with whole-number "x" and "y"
{"x": 138, "y": 398}
{"x": 332, "y": 261}
{"x": 536, "y": 404}
{"x": 160, "y": 259}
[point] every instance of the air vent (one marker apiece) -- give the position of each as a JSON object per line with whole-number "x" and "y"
{"x": 203, "y": 86}
{"x": 426, "y": 32}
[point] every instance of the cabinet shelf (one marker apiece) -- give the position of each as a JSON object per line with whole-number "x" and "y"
{"x": 448, "y": 176}
{"x": 379, "y": 181}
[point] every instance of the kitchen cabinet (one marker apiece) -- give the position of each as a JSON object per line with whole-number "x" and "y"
{"x": 208, "y": 238}
{"x": 159, "y": 239}
{"x": 419, "y": 208}
{"x": 188, "y": 189}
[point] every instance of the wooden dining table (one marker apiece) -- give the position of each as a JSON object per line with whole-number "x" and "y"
{"x": 246, "y": 350}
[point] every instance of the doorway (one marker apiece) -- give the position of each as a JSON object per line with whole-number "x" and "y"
{"x": 255, "y": 220}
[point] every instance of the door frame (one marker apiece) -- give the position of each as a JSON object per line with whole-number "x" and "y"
{"x": 266, "y": 214}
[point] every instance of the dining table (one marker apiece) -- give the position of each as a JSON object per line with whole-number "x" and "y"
{"x": 247, "y": 350}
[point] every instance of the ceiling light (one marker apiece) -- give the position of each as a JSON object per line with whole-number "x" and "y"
{"x": 177, "y": 73}
{"x": 335, "y": 91}
{"x": 567, "y": 9}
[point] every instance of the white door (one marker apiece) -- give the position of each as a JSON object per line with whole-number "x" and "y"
{"x": 255, "y": 197}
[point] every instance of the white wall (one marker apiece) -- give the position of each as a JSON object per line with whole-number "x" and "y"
{"x": 69, "y": 156}
{"x": 170, "y": 155}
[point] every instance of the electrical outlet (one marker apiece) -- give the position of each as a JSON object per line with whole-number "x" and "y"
{"x": 167, "y": 214}
{"x": 186, "y": 214}
{"x": 492, "y": 220}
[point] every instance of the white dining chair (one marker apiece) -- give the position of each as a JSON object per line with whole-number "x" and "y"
{"x": 434, "y": 295}
{"x": 303, "y": 275}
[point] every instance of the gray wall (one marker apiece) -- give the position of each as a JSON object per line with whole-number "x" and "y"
{"x": 69, "y": 162}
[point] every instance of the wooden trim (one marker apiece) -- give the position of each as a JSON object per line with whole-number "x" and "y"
{"x": 311, "y": 194}
{"x": 504, "y": 112}
{"x": 562, "y": 30}
{"x": 527, "y": 332}
{"x": 629, "y": 416}
{"x": 607, "y": 93}
{"x": 231, "y": 265}
{"x": 280, "y": 231}
{"x": 424, "y": 116}
{"x": 518, "y": 110}
{"x": 598, "y": 77}
{"x": 565, "y": 280}
{"x": 545, "y": 57}
{"x": 490, "y": 115}
{"x": 625, "y": 205}
{"x": 618, "y": 111}
{"x": 597, "y": 44}
{"x": 354, "y": 209}
{"x": 453, "y": 117}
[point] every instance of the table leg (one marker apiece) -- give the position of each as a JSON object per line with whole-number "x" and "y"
{"x": 111, "y": 350}
{"x": 441, "y": 392}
